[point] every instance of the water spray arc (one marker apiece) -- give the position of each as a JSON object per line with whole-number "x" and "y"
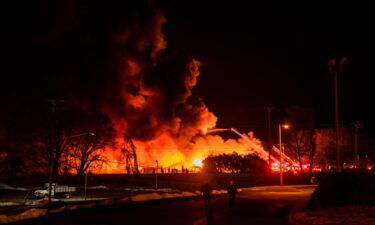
{"x": 253, "y": 145}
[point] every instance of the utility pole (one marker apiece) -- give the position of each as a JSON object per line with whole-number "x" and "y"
{"x": 55, "y": 107}
{"x": 357, "y": 125}
{"x": 335, "y": 67}
{"x": 156, "y": 174}
{"x": 285, "y": 126}
{"x": 337, "y": 125}
{"x": 269, "y": 110}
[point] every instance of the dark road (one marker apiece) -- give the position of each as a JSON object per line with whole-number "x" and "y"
{"x": 255, "y": 206}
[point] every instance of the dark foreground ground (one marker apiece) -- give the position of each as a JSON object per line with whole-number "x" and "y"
{"x": 260, "y": 205}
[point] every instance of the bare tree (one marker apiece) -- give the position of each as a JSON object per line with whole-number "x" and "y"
{"x": 13, "y": 157}
{"x": 55, "y": 137}
{"x": 129, "y": 155}
{"x": 48, "y": 138}
{"x": 299, "y": 146}
{"x": 312, "y": 148}
{"x": 304, "y": 119}
{"x": 325, "y": 146}
{"x": 87, "y": 151}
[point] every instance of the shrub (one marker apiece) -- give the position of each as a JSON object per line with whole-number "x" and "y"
{"x": 345, "y": 188}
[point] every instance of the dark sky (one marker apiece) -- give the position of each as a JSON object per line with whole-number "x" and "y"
{"x": 274, "y": 54}
{"x": 253, "y": 55}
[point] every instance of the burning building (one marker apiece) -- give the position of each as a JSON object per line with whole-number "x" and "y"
{"x": 111, "y": 58}
{"x": 148, "y": 96}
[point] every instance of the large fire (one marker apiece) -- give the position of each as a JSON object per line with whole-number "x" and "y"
{"x": 169, "y": 155}
{"x": 197, "y": 162}
{"x": 151, "y": 101}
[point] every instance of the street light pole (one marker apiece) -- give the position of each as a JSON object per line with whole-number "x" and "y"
{"x": 286, "y": 126}
{"x": 337, "y": 128}
{"x": 281, "y": 157}
{"x": 156, "y": 174}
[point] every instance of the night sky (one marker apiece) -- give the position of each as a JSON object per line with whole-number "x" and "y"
{"x": 256, "y": 55}
{"x": 253, "y": 55}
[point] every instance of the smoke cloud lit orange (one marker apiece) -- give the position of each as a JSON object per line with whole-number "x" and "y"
{"x": 152, "y": 102}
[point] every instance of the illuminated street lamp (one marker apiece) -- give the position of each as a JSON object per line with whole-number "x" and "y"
{"x": 285, "y": 126}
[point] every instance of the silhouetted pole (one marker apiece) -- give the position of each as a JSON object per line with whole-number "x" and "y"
{"x": 286, "y": 126}
{"x": 338, "y": 158}
{"x": 336, "y": 69}
{"x": 55, "y": 106}
{"x": 156, "y": 174}
{"x": 269, "y": 110}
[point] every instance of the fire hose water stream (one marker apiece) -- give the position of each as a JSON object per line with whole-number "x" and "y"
{"x": 253, "y": 145}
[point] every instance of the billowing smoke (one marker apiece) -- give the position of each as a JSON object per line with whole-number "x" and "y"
{"x": 110, "y": 58}
{"x": 148, "y": 96}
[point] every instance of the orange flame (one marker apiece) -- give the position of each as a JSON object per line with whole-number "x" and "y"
{"x": 166, "y": 125}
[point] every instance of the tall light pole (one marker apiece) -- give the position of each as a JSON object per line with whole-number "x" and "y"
{"x": 335, "y": 66}
{"x": 156, "y": 174}
{"x": 269, "y": 110}
{"x": 286, "y": 126}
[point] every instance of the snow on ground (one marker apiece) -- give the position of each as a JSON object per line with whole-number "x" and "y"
{"x": 163, "y": 193}
{"x": 278, "y": 188}
{"x": 7, "y": 187}
{"x": 40, "y": 202}
{"x": 170, "y": 190}
{"x": 154, "y": 196}
{"x": 152, "y": 189}
{"x": 8, "y": 203}
{"x": 100, "y": 187}
{"x": 219, "y": 192}
{"x": 29, "y": 202}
